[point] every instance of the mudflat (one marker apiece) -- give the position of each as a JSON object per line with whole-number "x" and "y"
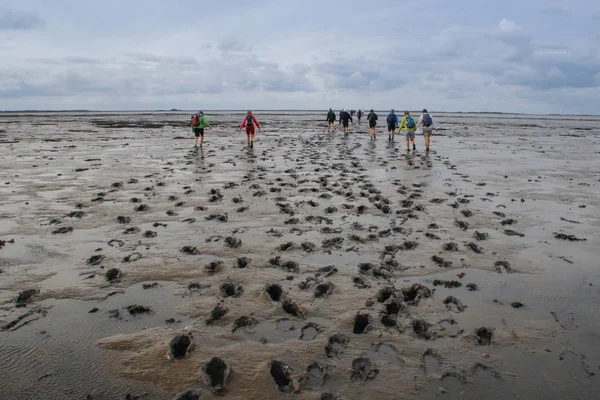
{"x": 316, "y": 265}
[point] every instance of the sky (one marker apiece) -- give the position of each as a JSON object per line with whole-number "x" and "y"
{"x": 529, "y": 56}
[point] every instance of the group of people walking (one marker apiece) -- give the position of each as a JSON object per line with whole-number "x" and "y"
{"x": 405, "y": 125}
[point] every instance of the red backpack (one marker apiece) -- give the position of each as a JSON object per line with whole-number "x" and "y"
{"x": 195, "y": 120}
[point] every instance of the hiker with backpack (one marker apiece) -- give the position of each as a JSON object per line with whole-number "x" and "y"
{"x": 199, "y": 122}
{"x": 426, "y": 122}
{"x": 345, "y": 118}
{"x": 249, "y": 122}
{"x": 409, "y": 126}
{"x": 372, "y": 118}
{"x": 392, "y": 121}
{"x": 331, "y": 121}
{"x": 359, "y": 115}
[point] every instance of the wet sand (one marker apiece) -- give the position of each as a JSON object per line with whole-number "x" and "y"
{"x": 311, "y": 264}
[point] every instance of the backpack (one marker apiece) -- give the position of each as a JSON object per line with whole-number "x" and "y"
{"x": 195, "y": 120}
{"x": 410, "y": 122}
{"x": 392, "y": 119}
{"x": 427, "y": 121}
{"x": 249, "y": 121}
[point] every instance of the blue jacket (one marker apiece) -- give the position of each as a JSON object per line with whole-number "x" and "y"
{"x": 392, "y": 118}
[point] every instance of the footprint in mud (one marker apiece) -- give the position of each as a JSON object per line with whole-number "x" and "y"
{"x": 189, "y": 395}
{"x": 132, "y": 230}
{"x": 431, "y": 362}
{"x": 95, "y": 259}
{"x": 441, "y": 262}
{"x": 450, "y": 246}
{"x": 454, "y": 304}
{"x": 76, "y": 214}
{"x": 415, "y": 293}
{"x": 316, "y": 375}
{"x": 230, "y": 289}
{"x": 473, "y": 246}
{"x": 123, "y": 220}
{"x": 453, "y": 384}
{"x": 409, "y": 245}
{"x": 180, "y": 346}
{"x": 324, "y": 289}
{"x": 137, "y": 309}
{"x": 149, "y": 234}
{"x": 274, "y": 291}
{"x": 308, "y": 247}
{"x": 25, "y": 296}
{"x": 292, "y": 308}
{"x": 215, "y": 374}
{"x": 113, "y": 274}
{"x": 385, "y": 293}
{"x": 233, "y": 242}
{"x": 309, "y": 332}
{"x": 213, "y": 266}
{"x": 421, "y": 328}
{"x": 484, "y": 335}
{"x": 132, "y": 257}
{"x": 244, "y": 322}
{"x": 362, "y": 322}
{"x": 116, "y": 243}
{"x": 510, "y": 232}
{"x": 502, "y": 266}
{"x": 242, "y": 262}
{"x": 282, "y": 376}
{"x": 191, "y": 250}
{"x": 142, "y": 207}
{"x": 62, "y": 230}
{"x": 467, "y": 213}
{"x": 363, "y": 370}
{"x": 285, "y": 246}
{"x": 336, "y": 344}
{"x": 462, "y": 225}
{"x": 217, "y": 313}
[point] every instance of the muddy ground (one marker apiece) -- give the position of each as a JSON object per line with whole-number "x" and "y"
{"x": 313, "y": 266}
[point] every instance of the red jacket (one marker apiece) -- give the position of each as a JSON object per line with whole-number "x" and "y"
{"x": 253, "y": 120}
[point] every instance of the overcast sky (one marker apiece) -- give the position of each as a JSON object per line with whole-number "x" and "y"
{"x": 537, "y": 56}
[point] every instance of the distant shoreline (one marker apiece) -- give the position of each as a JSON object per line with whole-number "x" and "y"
{"x": 265, "y": 110}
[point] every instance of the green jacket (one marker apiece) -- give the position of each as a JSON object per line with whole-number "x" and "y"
{"x": 403, "y": 124}
{"x": 203, "y": 123}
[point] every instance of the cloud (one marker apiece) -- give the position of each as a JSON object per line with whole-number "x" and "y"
{"x": 12, "y": 20}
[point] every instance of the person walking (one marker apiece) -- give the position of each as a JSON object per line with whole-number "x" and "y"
{"x": 345, "y": 118}
{"x": 199, "y": 123}
{"x": 426, "y": 121}
{"x": 359, "y": 115}
{"x": 331, "y": 121}
{"x": 408, "y": 126}
{"x": 392, "y": 122}
{"x": 249, "y": 122}
{"x": 372, "y": 118}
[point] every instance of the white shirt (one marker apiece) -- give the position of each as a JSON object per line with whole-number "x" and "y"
{"x": 420, "y": 123}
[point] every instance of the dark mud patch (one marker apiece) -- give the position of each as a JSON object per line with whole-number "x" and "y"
{"x": 484, "y": 335}
{"x": 415, "y": 293}
{"x": 502, "y": 266}
{"x": 274, "y": 291}
{"x": 25, "y": 297}
{"x": 180, "y": 346}
{"x": 447, "y": 284}
{"x": 473, "y": 246}
{"x": 213, "y": 266}
{"x": 363, "y": 369}
{"x": 137, "y": 309}
{"x": 292, "y": 308}
{"x": 481, "y": 235}
{"x": 243, "y": 262}
{"x": 571, "y": 238}
{"x": 62, "y": 230}
{"x": 336, "y": 344}
{"x": 244, "y": 322}
{"x": 324, "y": 289}
{"x": 454, "y": 304}
{"x": 422, "y": 329}
{"x": 132, "y": 257}
{"x": 215, "y": 374}
{"x": 113, "y": 274}
{"x": 190, "y": 250}
{"x": 450, "y": 246}
{"x": 233, "y": 242}
{"x": 510, "y": 232}
{"x": 149, "y": 234}
{"x": 282, "y": 376}
{"x": 441, "y": 261}
{"x": 95, "y": 259}
{"x": 362, "y": 322}
{"x": 230, "y": 289}
{"x": 123, "y": 220}
{"x": 216, "y": 314}
{"x": 116, "y": 243}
